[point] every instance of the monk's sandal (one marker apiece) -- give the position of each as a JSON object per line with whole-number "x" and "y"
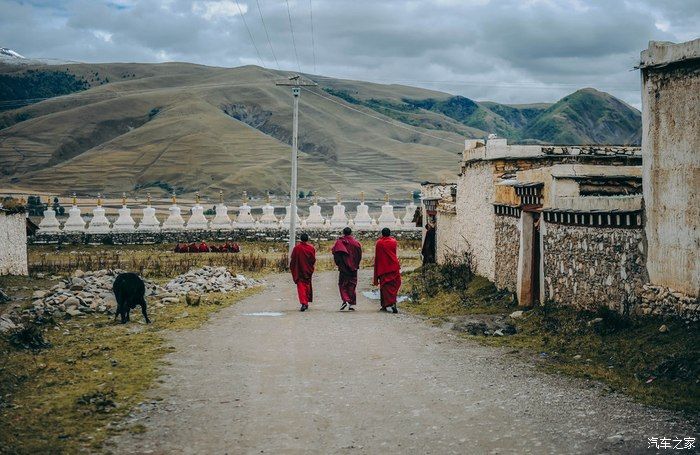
{"x": 342, "y": 307}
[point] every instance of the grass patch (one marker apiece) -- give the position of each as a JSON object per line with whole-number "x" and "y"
{"x": 69, "y": 397}
{"x": 629, "y": 355}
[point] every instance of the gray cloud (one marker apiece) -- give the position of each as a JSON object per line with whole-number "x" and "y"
{"x": 506, "y": 50}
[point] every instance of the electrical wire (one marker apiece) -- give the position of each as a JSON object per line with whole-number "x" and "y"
{"x": 398, "y": 125}
{"x": 252, "y": 40}
{"x": 269, "y": 41}
{"x": 313, "y": 41}
{"x": 291, "y": 29}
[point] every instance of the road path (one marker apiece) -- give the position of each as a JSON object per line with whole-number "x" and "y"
{"x": 368, "y": 382}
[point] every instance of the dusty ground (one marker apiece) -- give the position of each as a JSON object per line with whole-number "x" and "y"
{"x": 369, "y": 382}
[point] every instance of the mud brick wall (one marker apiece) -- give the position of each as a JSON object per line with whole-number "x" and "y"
{"x": 507, "y": 247}
{"x": 587, "y": 267}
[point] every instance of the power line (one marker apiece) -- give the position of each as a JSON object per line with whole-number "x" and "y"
{"x": 269, "y": 41}
{"x": 398, "y": 125}
{"x": 249, "y": 34}
{"x": 313, "y": 41}
{"x": 291, "y": 29}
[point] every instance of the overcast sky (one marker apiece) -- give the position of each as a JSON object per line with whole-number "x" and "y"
{"x": 501, "y": 50}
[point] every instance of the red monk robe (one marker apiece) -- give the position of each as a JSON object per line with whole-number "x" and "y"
{"x": 347, "y": 254}
{"x": 302, "y": 268}
{"x": 387, "y": 271}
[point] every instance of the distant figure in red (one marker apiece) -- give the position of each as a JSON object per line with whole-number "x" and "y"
{"x": 387, "y": 271}
{"x": 347, "y": 254}
{"x": 203, "y": 248}
{"x": 302, "y": 267}
{"x": 193, "y": 248}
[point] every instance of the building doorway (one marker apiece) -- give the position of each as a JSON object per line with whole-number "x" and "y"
{"x": 529, "y": 260}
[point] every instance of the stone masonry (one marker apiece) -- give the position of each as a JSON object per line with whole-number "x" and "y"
{"x": 507, "y": 245}
{"x": 586, "y": 267}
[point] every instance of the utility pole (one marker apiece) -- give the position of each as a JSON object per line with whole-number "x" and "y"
{"x": 296, "y": 83}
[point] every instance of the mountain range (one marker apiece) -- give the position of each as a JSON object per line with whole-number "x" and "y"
{"x": 179, "y": 127}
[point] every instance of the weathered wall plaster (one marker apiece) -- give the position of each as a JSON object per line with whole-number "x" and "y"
{"x": 13, "y": 244}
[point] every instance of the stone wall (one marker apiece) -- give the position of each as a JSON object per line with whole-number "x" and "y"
{"x": 507, "y": 247}
{"x": 586, "y": 267}
{"x": 265, "y": 235}
{"x": 663, "y": 301}
{"x": 13, "y": 244}
{"x": 671, "y": 148}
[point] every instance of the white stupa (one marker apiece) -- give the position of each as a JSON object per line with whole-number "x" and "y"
{"x": 124, "y": 223}
{"x": 197, "y": 220}
{"x": 339, "y": 218}
{"x": 387, "y": 218}
{"x": 245, "y": 219}
{"x": 221, "y": 221}
{"x": 99, "y": 223}
{"x": 75, "y": 222}
{"x": 410, "y": 211}
{"x": 149, "y": 222}
{"x": 315, "y": 219}
{"x": 268, "y": 218}
{"x": 49, "y": 224}
{"x": 287, "y": 220}
{"x": 362, "y": 218}
{"x": 174, "y": 222}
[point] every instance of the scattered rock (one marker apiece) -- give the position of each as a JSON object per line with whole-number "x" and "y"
{"x": 595, "y": 321}
{"x": 498, "y": 333}
{"x": 663, "y": 328}
{"x": 577, "y": 357}
{"x": 516, "y": 314}
{"x": 208, "y": 279}
{"x": 6, "y": 324}
{"x": 39, "y": 294}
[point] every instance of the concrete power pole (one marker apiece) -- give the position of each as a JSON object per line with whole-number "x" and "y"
{"x": 294, "y": 82}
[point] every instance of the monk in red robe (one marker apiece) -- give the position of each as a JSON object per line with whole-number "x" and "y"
{"x": 387, "y": 271}
{"x": 203, "y": 248}
{"x": 302, "y": 267}
{"x": 347, "y": 254}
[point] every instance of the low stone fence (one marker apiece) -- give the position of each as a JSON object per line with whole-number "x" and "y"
{"x": 586, "y": 267}
{"x": 236, "y": 235}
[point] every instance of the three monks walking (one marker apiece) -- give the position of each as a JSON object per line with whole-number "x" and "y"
{"x": 347, "y": 255}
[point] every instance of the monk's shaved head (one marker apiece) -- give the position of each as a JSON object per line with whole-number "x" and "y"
{"x": 347, "y": 231}
{"x": 304, "y": 237}
{"x": 386, "y": 232}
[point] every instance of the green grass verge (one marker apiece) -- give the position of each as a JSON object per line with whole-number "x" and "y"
{"x": 68, "y": 398}
{"x": 629, "y": 355}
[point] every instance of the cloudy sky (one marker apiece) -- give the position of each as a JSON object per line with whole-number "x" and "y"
{"x": 514, "y": 51}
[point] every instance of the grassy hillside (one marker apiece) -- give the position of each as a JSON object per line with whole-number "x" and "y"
{"x": 585, "y": 117}
{"x": 191, "y": 128}
{"x": 183, "y": 127}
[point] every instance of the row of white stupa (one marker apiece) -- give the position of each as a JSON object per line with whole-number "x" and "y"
{"x": 99, "y": 224}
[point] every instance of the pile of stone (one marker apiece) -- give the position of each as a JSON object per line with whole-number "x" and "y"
{"x": 208, "y": 279}
{"x": 82, "y": 293}
{"x": 663, "y": 301}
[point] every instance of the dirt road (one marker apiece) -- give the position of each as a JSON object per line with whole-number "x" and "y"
{"x": 265, "y": 378}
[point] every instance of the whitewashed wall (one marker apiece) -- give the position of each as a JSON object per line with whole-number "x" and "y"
{"x": 475, "y": 220}
{"x": 13, "y": 244}
{"x": 671, "y": 149}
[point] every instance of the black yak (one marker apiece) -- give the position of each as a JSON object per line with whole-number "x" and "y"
{"x": 129, "y": 291}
